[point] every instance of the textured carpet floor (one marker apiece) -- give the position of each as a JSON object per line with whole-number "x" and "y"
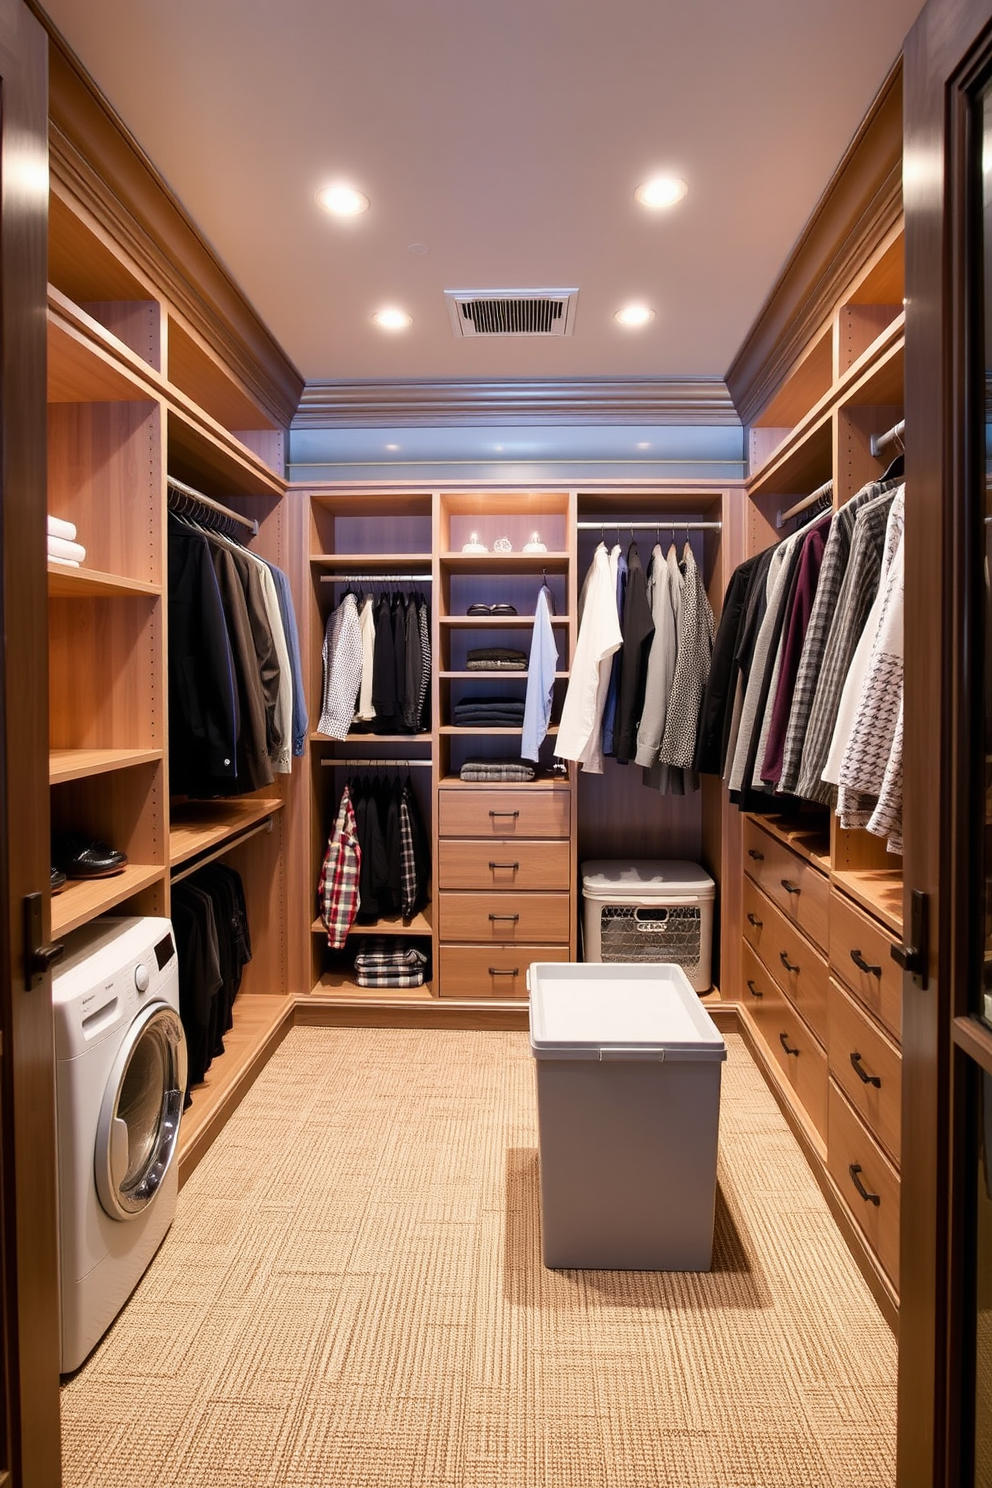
{"x": 352, "y": 1295}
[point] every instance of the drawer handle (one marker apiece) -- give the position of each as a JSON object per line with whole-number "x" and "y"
{"x": 513, "y": 917}
{"x": 752, "y": 919}
{"x": 758, "y": 857}
{"x": 753, "y": 989}
{"x": 783, "y": 1039}
{"x": 854, "y": 1169}
{"x": 504, "y": 971}
{"x": 514, "y": 866}
{"x": 790, "y": 888}
{"x": 863, "y": 965}
{"x": 504, "y": 813}
{"x": 862, "y": 1076}
{"x": 786, "y": 962}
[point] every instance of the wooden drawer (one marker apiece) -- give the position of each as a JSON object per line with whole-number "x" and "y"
{"x": 868, "y": 1068}
{"x": 853, "y": 1158}
{"x": 491, "y": 971}
{"x": 504, "y": 919}
{"x": 800, "y": 971}
{"x": 801, "y": 891}
{"x": 798, "y": 1055}
{"x": 503, "y": 813}
{"x": 463, "y": 864}
{"x": 861, "y": 958}
{"x": 759, "y": 990}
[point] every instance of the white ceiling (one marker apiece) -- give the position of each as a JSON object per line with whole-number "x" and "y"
{"x": 507, "y": 136}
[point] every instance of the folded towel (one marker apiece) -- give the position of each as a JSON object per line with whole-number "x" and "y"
{"x": 60, "y": 547}
{"x": 59, "y": 528}
{"x": 65, "y": 562}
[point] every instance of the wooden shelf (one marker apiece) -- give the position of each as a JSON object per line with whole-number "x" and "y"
{"x": 546, "y": 782}
{"x": 213, "y": 460}
{"x": 87, "y": 364}
{"x": 496, "y": 622}
{"x": 369, "y": 560}
{"x": 502, "y": 563}
{"x": 805, "y": 838}
{"x": 87, "y": 583}
{"x": 79, "y": 764}
{"x": 497, "y": 674}
{"x": 83, "y": 899}
{"x": 197, "y": 826}
{"x": 421, "y": 924}
{"x": 424, "y": 737}
{"x": 484, "y": 733}
{"x": 343, "y": 983}
{"x": 878, "y": 890}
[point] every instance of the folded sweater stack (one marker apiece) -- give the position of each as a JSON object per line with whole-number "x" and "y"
{"x": 489, "y": 712}
{"x": 496, "y": 659}
{"x": 62, "y": 545}
{"x": 515, "y": 771}
{"x": 385, "y": 962}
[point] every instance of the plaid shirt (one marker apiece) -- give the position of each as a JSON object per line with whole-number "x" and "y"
{"x": 338, "y": 887}
{"x": 384, "y": 962}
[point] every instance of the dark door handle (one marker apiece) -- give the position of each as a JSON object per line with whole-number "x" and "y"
{"x": 752, "y": 919}
{"x": 758, "y": 857}
{"x": 783, "y": 1039}
{"x": 504, "y": 813}
{"x": 39, "y": 958}
{"x": 513, "y": 917}
{"x": 504, "y": 971}
{"x": 786, "y": 962}
{"x": 790, "y": 888}
{"x": 863, "y": 965}
{"x": 862, "y": 1076}
{"x": 854, "y": 1169}
{"x": 914, "y": 957}
{"x": 514, "y": 866}
{"x": 753, "y": 989}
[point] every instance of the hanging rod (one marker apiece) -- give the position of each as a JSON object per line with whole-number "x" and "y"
{"x": 879, "y": 442}
{"x": 380, "y": 578}
{"x": 379, "y": 764}
{"x": 660, "y": 526}
{"x": 225, "y": 511}
{"x": 222, "y": 850}
{"x": 819, "y": 494}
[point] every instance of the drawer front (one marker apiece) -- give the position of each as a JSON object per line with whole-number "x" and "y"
{"x": 800, "y": 971}
{"x": 503, "y": 813}
{"x": 799, "y": 1057}
{"x": 854, "y": 1158}
{"x": 801, "y": 891}
{"x": 491, "y": 971}
{"x": 760, "y": 992}
{"x": 463, "y": 864}
{"x": 868, "y": 1068}
{"x": 861, "y": 958}
{"x": 504, "y": 919}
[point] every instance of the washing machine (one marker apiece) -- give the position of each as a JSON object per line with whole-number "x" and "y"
{"x": 120, "y": 1082}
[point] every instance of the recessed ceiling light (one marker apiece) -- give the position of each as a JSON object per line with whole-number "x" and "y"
{"x": 390, "y": 318}
{"x": 634, "y": 315}
{"x": 392, "y": 447}
{"x": 343, "y": 201}
{"x": 661, "y": 191}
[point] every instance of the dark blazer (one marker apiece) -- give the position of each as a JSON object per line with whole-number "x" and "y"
{"x": 254, "y": 769}
{"x": 204, "y": 718}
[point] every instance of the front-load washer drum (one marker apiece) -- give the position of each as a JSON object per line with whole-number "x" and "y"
{"x": 139, "y": 1119}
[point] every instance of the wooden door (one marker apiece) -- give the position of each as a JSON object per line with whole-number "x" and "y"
{"x": 29, "y": 1335}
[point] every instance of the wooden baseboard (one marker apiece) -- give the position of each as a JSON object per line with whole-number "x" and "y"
{"x": 377, "y": 1012}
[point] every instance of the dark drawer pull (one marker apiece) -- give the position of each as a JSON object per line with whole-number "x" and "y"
{"x": 752, "y": 919}
{"x": 790, "y": 888}
{"x": 854, "y": 1169}
{"x": 753, "y": 989}
{"x": 862, "y": 964}
{"x": 504, "y": 813}
{"x": 786, "y": 962}
{"x": 758, "y": 857}
{"x": 504, "y": 971}
{"x": 783, "y": 1039}
{"x": 514, "y": 866}
{"x": 862, "y": 1076}
{"x": 513, "y": 917}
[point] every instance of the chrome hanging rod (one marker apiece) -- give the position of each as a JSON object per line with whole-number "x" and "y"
{"x": 664, "y": 525}
{"x": 820, "y": 494}
{"x": 378, "y": 764}
{"x": 880, "y": 442}
{"x": 379, "y": 578}
{"x": 190, "y": 494}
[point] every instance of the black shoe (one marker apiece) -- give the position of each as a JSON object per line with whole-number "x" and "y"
{"x": 58, "y": 880}
{"x": 503, "y": 609}
{"x": 81, "y": 858}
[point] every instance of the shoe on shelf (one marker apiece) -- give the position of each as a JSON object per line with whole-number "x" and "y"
{"x": 480, "y": 609}
{"x": 80, "y": 857}
{"x": 502, "y": 609}
{"x": 58, "y": 880}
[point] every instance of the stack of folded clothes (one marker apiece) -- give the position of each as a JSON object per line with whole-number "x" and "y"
{"x": 62, "y": 544}
{"x": 496, "y": 659}
{"x": 480, "y": 712}
{"x": 517, "y": 771}
{"x": 384, "y": 961}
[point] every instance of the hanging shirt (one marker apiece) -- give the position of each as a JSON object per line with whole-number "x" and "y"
{"x": 366, "y": 621}
{"x": 300, "y": 719}
{"x": 692, "y": 667}
{"x": 599, "y": 636}
{"x": 613, "y": 691}
{"x": 338, "y": 890}
{"x": 540, "y": 677}
{"x": 342, "y": 658}
{"x": 661, "y": 660}
{"x": 794, "y": 635}
{"x": 637, "y": 629}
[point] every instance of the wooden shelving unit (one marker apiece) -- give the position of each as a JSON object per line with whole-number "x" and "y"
{"x": 86, "y": 583}
{"x": 83, "y": 900}
{"x": 81, "y": 764}
{"x": 197, "y": 827}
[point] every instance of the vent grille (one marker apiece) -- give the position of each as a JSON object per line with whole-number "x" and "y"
{"x": 512, "y": 312}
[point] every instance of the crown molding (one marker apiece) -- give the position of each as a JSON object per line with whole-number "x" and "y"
{"x": 429, "y": 403}
{"x": 97, "y": 161}
{"x": 861, "y": 204}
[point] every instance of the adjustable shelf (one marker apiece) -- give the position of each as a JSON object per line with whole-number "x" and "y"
{"x": 80, "y": 764}
{"x": 197, "y": 826}
{"x": 83, "y": 899}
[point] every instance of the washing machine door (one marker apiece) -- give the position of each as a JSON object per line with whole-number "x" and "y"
{"x": 139, "y": 1120}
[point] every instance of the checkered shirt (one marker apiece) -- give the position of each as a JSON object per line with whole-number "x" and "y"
{"x": 338, "y": 888}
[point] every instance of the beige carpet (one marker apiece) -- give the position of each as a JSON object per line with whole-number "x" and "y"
{"x": 352, "y": 1295}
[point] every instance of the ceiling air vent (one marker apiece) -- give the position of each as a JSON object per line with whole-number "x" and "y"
{"x": 512, "y": 312}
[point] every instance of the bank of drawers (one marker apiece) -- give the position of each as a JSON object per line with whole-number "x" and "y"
{"x": 504, "y": 887}
{"x": 826, "y": 998}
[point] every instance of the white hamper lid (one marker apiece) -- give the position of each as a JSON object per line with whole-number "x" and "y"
{"x": 644, "y": 878}
{"x": 642, "y": 1010}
